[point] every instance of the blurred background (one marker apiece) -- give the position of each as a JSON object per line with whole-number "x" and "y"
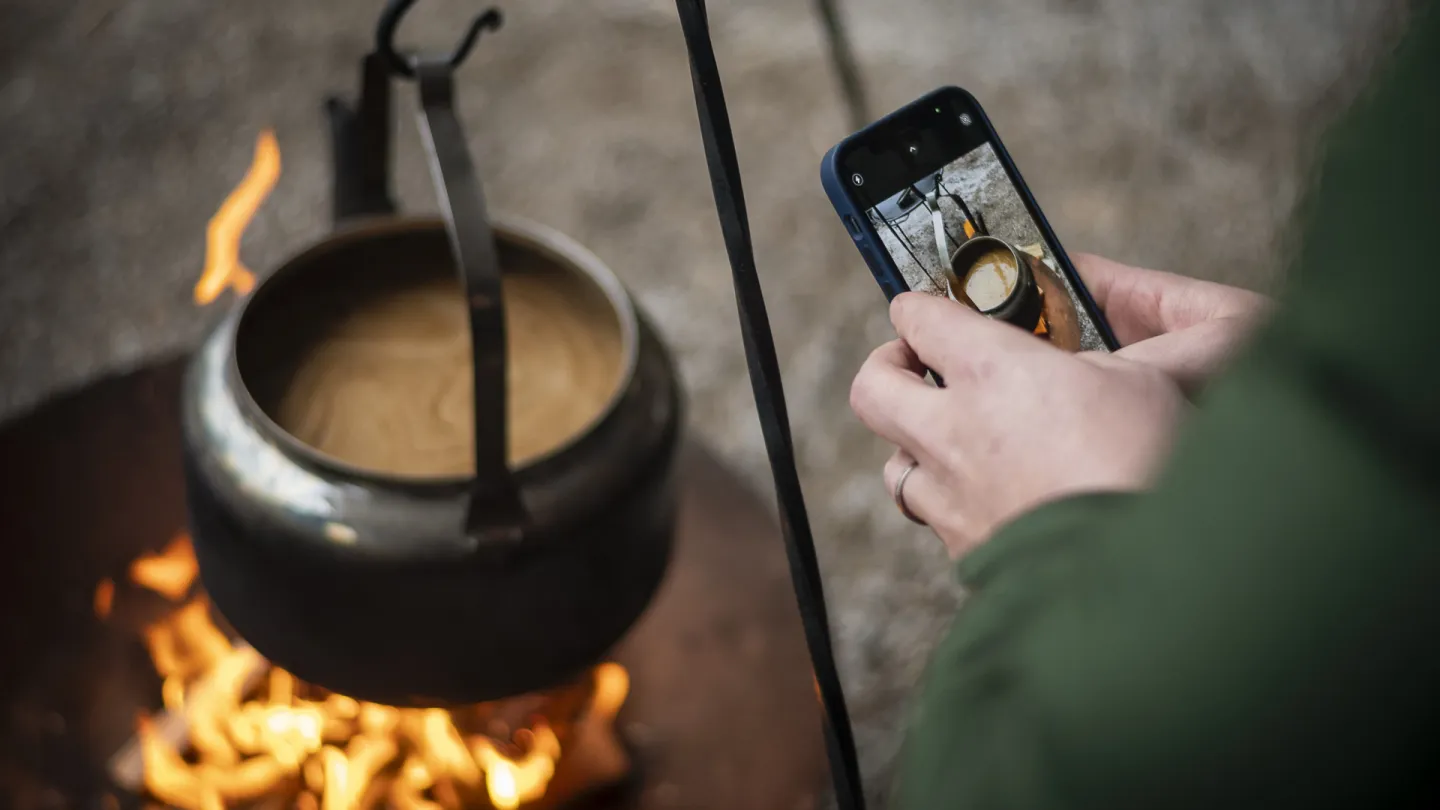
{"x": 1164, "y": 133}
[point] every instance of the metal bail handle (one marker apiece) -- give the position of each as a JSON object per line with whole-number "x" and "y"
{"x": 496, "y": 511}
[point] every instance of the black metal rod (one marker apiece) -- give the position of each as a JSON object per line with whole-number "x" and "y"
{"x": 764, "y": 367}
{"x": 360, "y": 143}
{"x": 842, "y": 56}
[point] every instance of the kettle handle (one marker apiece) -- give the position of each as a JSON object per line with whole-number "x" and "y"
{"x": 496, "y": 511}
{"x": 360, "y": 146}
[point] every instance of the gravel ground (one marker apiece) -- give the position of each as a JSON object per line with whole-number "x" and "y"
{"x": 1167, "y": 133}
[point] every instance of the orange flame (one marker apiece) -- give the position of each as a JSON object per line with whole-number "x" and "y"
{"x": 169, "y": 573}
{"x": 223, "y": 267}
{"x": 255, "y": 732}
{"x": 510, "y": 782}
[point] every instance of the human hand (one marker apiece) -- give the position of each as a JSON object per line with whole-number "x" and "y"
{"x": 1019, "y": 422}
{"x": 1183, "y": 326}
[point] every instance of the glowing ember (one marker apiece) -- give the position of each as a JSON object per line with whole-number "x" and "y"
{"x": 104, "y": 598}
{"x": 222, "y": 238}
{"x": 255, "y": 732}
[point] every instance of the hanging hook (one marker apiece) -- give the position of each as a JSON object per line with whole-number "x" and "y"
{"x": 405, "y": 66}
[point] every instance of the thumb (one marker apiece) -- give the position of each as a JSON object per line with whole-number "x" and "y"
{"x": 1141, "y": 304}
{"x": 1192, "y": 355}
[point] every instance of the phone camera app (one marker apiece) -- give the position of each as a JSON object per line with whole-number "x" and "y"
{"x": 857, "y": 179}
{"x": 963, "y": 231}
{"x": 966, "y": 119}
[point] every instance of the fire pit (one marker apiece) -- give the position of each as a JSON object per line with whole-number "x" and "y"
{"x": 720, "y": 709}
{"x": 122, "y": 685}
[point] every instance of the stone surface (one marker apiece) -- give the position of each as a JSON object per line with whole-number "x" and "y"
{"x": 1166, "y": 133}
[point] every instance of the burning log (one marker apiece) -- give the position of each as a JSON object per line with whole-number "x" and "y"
{"x": 440, "y": 762}
{"x": 170, "y": 729}
{"x": 413, "y": 758}
{"x": 184, "y": 644}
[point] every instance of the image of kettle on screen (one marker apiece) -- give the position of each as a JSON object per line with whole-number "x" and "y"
{"x": 964, "y": 233}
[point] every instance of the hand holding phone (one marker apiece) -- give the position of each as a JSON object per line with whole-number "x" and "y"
{"x": 935, "y": 205}
{"x": 1021, "y": 424}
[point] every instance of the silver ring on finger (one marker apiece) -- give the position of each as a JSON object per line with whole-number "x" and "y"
{"x": 900, "y": 495}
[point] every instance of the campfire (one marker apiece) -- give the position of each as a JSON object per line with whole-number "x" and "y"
{"x": 237, "y": 732}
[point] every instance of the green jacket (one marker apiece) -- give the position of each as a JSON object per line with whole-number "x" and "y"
{"x": 1262, "y": 629}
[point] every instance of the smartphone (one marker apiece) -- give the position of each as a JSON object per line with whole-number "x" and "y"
{"x": 935, "y": 205}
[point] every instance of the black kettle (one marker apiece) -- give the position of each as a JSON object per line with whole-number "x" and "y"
{"x": 425, "y": 591}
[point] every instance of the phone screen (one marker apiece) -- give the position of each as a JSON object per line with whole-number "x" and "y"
{"x": 955, "y": 222}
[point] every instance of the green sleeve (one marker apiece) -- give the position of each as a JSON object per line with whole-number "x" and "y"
{"x": 1262, "y": 629}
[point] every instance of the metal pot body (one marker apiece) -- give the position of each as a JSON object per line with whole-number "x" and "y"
{"x": 367, "y": 584}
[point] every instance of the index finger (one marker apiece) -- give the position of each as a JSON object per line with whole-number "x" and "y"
{"x": 891, "y": 397}
{"x": 954, "y": 340}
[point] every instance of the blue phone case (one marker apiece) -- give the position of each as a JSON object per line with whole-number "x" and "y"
{"x": 867, "y": 240}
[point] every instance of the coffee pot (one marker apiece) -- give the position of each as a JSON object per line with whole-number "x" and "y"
{"x": 425, "y": 591}
{"x": 1023, "y": 306}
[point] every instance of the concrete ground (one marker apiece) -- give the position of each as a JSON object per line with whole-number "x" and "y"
{"x": 1160, "y": 132}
